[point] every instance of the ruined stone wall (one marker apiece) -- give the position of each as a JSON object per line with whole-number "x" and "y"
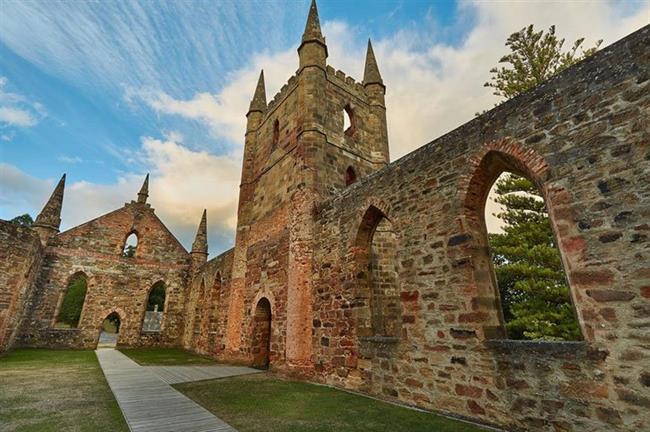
{"x": 583, "y": 138}
{"x": 206, "y": 309}
{"x": 114, "y": 283}
{"x": 20, "y": 260}
{"x": 386, "y": 286}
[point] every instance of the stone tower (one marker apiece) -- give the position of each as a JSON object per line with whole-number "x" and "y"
{"x": 298, "y": 153}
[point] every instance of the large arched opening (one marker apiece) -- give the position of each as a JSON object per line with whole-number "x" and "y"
{"x": 515, "y": 248}
{"x": 198, "y": 309}
{"x": 214, "y": 303}
{"x": 261, "y": 339}
{"x": 377, "y": 291}
{"x": 68, "y": 313}
{"x": 154, "y": 311}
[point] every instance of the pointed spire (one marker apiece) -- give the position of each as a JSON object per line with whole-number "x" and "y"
{"x": 200, "y": 244}
{"x": 50, "y": 216}
{"x": 259, "y": 99}
{"x": 312, "y": 28}
{"x": 144, "y": 191}
{"x": 312, "y": 50}
{"x": 371, "y": 73}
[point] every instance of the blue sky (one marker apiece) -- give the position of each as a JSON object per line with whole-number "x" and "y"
{"x": 107, "y": 91}
{"x": 82, "y": 71}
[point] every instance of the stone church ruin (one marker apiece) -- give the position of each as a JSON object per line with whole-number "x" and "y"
{"x": 375, "y": 276}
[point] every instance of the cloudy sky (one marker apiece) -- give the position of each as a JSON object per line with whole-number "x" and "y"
{"x": 108, "y": 91}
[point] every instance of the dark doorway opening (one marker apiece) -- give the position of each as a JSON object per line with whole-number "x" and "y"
{"x": 109, "y": 331}
{"x": 261, "y": 346}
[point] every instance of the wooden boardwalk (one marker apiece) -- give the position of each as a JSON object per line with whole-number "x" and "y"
{"x": 180, "y": 374}
{"x": 150, "y": 404}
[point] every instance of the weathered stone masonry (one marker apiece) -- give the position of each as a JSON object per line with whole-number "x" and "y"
{"x": 583, "y": 137}
{"x": 20, "y": 263}
{"x": 115, "y": 283}
{"x": 375, "y": 276}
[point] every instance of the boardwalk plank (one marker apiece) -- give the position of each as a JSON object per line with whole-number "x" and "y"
{"x": 180, "y": 374}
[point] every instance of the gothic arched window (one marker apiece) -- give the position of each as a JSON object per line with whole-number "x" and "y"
{"x": 130, "y": 245}
{"x": 350, "y": 176}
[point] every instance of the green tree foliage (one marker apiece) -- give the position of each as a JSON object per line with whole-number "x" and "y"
{"x": 157, "y": 297}
{"x": 534, "y": 58}
{"x": 23, "y": 220}
{"x": 73, "y": 302}
{"x": 129, "y": 251}
{"x": 532, "y": 284}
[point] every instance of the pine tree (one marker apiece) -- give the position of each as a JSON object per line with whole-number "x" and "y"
{"x": 533, "y": 288}
{"x": 534, "y": 58}
{"x": 23, "y": 220}
{"x": 129, "y": 251}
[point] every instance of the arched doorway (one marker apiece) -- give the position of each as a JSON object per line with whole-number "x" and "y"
{"x": 261, "y": 341}
{"x": 109, "y": 331}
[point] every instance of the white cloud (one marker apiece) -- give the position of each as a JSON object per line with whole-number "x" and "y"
{"x": 100, "y": 46}
{"x": 17, "y": 111}
{"x": 16, "y": 117}
{"x": 8, "y": 136}
{"x": 184, "y": 182}
{"x": 69, "y": 159}
{"x": 433, "y": 92}
{"x": 225, "y": 112}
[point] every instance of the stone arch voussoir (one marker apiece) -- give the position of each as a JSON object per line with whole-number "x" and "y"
{"x": 263, "y": 293}
{"x": 106, "y": 312}
{"x": 380, "y": 204}
{"x": 511, "y": 154}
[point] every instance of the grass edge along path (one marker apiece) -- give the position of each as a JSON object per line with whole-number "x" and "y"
{"x": 261, "y": 402}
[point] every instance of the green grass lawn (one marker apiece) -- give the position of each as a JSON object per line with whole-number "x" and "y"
{"x": 165, "y": 356}
{"x": 259, "y": 402}
{"x": 50, "y": 390}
